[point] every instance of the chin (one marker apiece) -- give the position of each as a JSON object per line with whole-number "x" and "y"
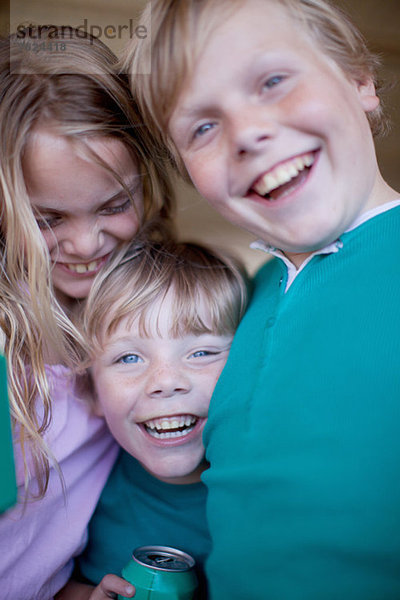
{"x": 171, "y": 473}
{"x": 71, "y": 295}
{"x": 177, "y": 475}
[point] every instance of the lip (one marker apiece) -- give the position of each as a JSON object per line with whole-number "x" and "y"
{"x": 100, "y": 262}
{"x": 291, "y": 189}
{"x": 173, "y": 442}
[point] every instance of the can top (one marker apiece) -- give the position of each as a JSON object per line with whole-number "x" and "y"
{"x": 163, "y": 558}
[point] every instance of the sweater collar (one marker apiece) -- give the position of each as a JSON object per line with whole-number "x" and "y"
{"x": 335, "y": 246}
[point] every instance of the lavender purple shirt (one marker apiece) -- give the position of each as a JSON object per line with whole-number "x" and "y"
{"x": 37, "y": 543}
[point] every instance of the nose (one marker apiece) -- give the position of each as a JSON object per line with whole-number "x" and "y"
{"x": 83, "y": 239}
{"x": 251, "y": 129}
{"x": 166, "y": 381}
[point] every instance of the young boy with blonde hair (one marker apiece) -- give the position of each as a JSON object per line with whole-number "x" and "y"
{"x": 270, "y": 108}
{"x": 159, "y": 321}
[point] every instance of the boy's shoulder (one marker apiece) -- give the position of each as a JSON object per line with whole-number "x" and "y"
{"x": 380, "y": 231}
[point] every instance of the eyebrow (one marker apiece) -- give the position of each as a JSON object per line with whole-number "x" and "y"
{"x": 120, "y": 194}
{"x": 131, "y": 186}
{"x": 193, "y": 112}
{"x": 124, "y": 344}
{"x": 39, "y": 211}
{"x": 126, "y": 339}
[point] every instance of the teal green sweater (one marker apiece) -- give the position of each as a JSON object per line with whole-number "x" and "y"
{"x": 303, "y": 434}
{"x": 136, "y": 509}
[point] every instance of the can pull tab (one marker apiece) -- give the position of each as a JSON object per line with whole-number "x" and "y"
{"x": 160, "y": 560}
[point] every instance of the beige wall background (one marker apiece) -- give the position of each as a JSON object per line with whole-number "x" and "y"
{"x": 379, "y": 20}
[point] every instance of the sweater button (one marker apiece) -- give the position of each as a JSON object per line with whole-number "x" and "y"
{"x": 271, "y": 322}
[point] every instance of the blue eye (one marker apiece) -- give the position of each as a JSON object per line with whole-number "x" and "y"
{"x": 273, "y": 81}
{"x": 203, "y": 353}
{"x": 130, "y": 359}
{"x": 203, "y": 129}
{"x": 200, "y": 353}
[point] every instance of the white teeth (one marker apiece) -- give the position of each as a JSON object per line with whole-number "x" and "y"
{"x": 168, "y": 434}
{"x": 282, "y": 174}
{"x": 170, "y": 427}
{"x": 270, "y": 182}
{"x": 308, "y": 160}
{"x": 299, "y": 163}
{"x": 293, "y": 171}
{"x": 83, "y": 268}
{"x": 171, "y": 422}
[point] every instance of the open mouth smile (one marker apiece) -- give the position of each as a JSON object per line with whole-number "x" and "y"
{"x": 284, "y": 177}
{"x": 90, "y": 268}
{"x": 177, "y": 426}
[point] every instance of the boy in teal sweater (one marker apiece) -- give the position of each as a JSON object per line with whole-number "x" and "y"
{"x": 270, "y": 107}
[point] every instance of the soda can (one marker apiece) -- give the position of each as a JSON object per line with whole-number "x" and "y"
{"x": 161, "y": 573}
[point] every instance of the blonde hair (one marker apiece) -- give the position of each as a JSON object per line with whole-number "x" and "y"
{"x": 147, "y": 271}
{"x": 78, "y": 91}
{"x": 179, "y": 30}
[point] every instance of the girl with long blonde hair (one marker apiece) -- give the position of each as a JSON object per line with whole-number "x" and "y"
{"x": 76, "y": 183}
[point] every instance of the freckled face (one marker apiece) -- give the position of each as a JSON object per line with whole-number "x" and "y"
{"x": 155, "y": 391}
{"x": 273, "y": 134}
{"x": 83, "y": 211}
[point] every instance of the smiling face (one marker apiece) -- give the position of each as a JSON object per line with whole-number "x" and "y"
{"x": 154, "y": 392}
{"x": 83, "y": 211}
{"x": 274, "y": 135}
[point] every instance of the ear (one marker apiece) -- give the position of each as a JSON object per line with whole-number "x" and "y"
{"x": 367, "y": 94}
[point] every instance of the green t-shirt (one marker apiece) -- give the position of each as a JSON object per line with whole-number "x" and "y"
{"x": 136, "y": 509}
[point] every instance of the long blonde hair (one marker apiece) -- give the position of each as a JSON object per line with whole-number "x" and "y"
{"x": 78, "y": 90}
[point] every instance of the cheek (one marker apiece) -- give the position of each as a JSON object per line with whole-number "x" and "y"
{"x": 126, "y": 226}
{"x": 119, "y": 397}
{"x": 50, "y": 238}
{"x": 314, "y": 102}
{"x": 207, "y": 176}
{"x": 108, "y": 397}
{"x": 208, "y": 383}
{"x": 119, "y": 428}
{"x": 333, "y": 108}
{"x": 113, "y": 412}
